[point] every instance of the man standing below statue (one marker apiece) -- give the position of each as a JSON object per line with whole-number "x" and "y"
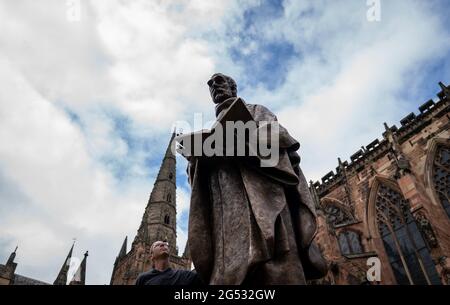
{"x": 251, "y": 224}
{"x": 161, "y": 273}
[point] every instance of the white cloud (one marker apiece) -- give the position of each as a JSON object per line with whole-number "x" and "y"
{"x": 141, "y": 60}
{"x": 67, "y": 193}
{"x": 347, "y": 83}
{"x": 159, "y": 68}
{"x": 147, "y": 62}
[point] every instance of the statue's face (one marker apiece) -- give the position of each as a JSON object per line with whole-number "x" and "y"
{"x": 220, "y": 89}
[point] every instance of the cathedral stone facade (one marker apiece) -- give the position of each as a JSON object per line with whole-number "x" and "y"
{"x": 391, "y": 203}
{"x": 158, "y": 223}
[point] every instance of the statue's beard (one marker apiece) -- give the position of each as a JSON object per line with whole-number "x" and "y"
{"x": 222, "y": 96}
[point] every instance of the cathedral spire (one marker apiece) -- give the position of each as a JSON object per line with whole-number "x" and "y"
{"x": 11, "y": 258}
{"x": 79, "y": 278}
{"x": 123, "y": 250}
{"x": 122, "y": 254}
{"x": 169, "y": 154}
{"x": 158, "y": 223}
{"x": 159, "y": 220}
{"x": 61, "y": 279}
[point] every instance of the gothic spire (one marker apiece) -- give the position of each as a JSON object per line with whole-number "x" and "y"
{"x": 168, "y": 154}
{"x": 314, "y": 195}
{"x": 79, "y": 278}
{"x": 61, "y": 279}
{"x": 445, "y": 90}
{"x": 159, "y": 220}
{"x": 122, "y": 254}
{"x": 11, "y": 258}
{"x": 123, "y": 250}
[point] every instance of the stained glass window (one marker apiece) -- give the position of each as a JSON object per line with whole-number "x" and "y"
{"x": 337, "y": 216}
{"x": 350, "y": 243}
{"x": 408, "y": 255}
{"x": 441, "y": 176}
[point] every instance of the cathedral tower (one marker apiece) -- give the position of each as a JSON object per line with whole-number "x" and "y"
{"x": 158, "y": 223}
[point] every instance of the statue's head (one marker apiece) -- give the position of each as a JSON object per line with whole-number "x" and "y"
{"x": 221, "y": 87}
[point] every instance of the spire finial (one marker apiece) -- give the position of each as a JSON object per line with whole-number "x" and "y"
{"x": 445, "y": 89}
{"x": 11, "y": 258}
{"x": 61, "y": 279}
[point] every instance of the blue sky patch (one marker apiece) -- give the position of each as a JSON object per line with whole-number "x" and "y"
{"x": 265, "y": 61}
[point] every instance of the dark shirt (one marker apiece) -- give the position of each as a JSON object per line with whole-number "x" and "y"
{"x": 169, "y": 277}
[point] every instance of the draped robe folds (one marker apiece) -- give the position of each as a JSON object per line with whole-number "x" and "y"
{"x": 252, "y": 225}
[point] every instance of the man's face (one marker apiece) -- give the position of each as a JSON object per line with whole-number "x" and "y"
{"x": 160, "y": 249}
{"x": 219, "y": 88}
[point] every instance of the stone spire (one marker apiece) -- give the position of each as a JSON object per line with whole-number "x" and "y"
{"x": 7, "y": 271}
{"x": 122, "y": 254}
{"x": 342, "y": 169}
{"x": 159, "y": 221}
{"x": 11, "y": 258}
{"x": 123, "y": 250}
{"x": 314, "y": 195}
{"x": 79, "y": 278}
{"x": 61, "y": 279}
{"x": 445, "y": 91}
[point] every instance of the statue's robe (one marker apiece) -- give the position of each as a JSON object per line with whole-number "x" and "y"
{"x": 250, "y": 225}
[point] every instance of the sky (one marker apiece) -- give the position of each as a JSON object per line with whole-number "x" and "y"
{"x": 91, "y": 90}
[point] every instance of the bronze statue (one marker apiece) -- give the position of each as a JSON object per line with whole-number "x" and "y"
{"x": 250, "y": 225}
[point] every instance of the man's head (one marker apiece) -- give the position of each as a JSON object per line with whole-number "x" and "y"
{"x": 159, "y": 250}
{"x": 221, "y": 87}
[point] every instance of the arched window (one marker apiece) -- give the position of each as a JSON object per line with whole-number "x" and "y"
{"x": 408, "y": 255}
{"x": 169, "y": 197}
{"x": 336, "y": 215}
{"x": 170, "y": 176}
{"x": 441, "y": 176}
{"x": 350, "y": 243}
{"x": 167, "y": 219}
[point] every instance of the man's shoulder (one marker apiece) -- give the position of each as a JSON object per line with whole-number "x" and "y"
{"x": 184, "y": 273}
{"x": 143, "y": 276}
{"x": 168, "y": 277}
{"x": 188, "y": 277}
